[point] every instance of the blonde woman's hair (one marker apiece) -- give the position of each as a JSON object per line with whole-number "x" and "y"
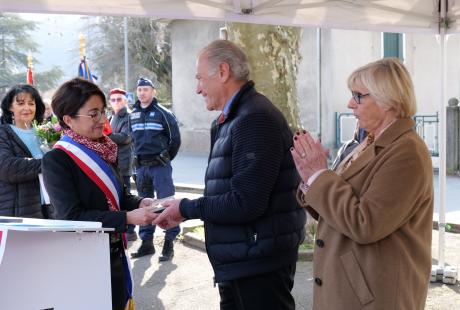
{"x": 389, "y": 83}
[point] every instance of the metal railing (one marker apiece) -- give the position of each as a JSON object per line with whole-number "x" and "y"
{"x": 427, "y": 126}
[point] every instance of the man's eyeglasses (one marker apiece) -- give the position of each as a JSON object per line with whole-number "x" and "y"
{"x": 95, "y": 115}
{"x": 117, "y": 99}
{"x": 357, "y": 96}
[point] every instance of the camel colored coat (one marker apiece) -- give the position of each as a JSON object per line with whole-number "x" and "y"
{"x": 373, "y": 243}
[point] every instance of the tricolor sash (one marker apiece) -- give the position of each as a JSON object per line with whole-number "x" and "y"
{"x": 101, "y": 174}
{"x": 94, "y": 167}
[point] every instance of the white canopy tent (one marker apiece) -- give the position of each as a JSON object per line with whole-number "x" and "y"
{"x": 439, "y": 17}
{"x": 380, "y": 15}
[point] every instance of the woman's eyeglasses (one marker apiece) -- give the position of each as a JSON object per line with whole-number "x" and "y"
{"x": 95, "y": 115}
{"x": 357, "y": 96}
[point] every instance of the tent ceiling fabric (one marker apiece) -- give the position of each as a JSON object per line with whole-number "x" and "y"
{"x": 386, "y": 15}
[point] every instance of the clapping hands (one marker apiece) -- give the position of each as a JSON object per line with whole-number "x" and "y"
{"x": 308, "y": 154}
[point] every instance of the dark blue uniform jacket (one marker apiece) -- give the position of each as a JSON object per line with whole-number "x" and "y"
{"x": 154, "y": 129}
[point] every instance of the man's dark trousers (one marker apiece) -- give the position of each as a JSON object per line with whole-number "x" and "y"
{"x": 268, "y": 291}
{"x": 157, "y": 179}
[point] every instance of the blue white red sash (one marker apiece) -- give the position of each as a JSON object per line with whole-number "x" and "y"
{"x": 94, "y": 167}
{"x": 101, "y": 174}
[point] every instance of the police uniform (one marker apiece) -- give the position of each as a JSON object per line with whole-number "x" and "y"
{"x": 156, "y": 140}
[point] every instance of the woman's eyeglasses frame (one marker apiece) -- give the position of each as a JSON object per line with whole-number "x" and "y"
{"x": 96, "y": 115}
{"x": 358, "y": 96}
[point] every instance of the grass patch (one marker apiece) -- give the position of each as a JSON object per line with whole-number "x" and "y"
{"x": 198, "y": 230}
{"x": 306, "y": 246}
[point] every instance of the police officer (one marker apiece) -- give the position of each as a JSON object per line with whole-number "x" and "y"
{"x": 156, "y": 141}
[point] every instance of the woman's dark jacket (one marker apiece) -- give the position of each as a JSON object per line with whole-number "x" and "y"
{"x": 253, "y": 223}
{"x": 121, "y": 136}
{"x": 19, "y": 185}
{"x": 76, "y": 197}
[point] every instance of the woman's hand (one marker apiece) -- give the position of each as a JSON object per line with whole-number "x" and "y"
{"x": 309, "y": 155}
{"x": 141, "y": 216}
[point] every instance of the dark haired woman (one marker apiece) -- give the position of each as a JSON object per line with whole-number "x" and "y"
{"x": 20, "y": 153}
{"x": 82, "y": 180}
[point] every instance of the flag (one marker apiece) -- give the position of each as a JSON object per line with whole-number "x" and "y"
{"x": 30, "y": 78}
{"x": 84, "y": 72}
{"x": 107, "y": 128}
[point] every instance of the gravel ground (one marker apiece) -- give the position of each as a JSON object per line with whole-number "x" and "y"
{"x": 443, "y": 296}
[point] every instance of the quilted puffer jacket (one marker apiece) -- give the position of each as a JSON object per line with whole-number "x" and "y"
{"x": 19, "y": 185}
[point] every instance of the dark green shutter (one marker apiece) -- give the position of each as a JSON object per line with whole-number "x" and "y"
{"x": 393, "y": 45}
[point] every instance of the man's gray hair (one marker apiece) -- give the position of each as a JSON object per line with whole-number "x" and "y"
{"x": 220, "y": 51}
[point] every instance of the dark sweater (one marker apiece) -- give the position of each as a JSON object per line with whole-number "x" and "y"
{"x": 253, "y": 223}
{"x": 122, "y": 137}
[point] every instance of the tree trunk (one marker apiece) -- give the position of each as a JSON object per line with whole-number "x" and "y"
{"x": 274, "y": 56}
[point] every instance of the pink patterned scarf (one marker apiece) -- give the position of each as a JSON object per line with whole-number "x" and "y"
{"x": 104, "y": 147}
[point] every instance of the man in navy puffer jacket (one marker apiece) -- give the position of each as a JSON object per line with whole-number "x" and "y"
{"x": 253, "y": 224}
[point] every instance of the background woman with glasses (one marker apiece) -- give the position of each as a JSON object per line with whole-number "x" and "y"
{"x": 374, "y": 210}
{"x": 20, "y": 153}
{"x": 82, "y": 180}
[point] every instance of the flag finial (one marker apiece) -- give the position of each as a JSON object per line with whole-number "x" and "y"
{"x": 82, "y": 40}
{"x": 29, "y": 61}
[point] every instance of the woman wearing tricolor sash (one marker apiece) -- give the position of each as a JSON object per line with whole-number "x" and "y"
{"x": 82, "y": 180}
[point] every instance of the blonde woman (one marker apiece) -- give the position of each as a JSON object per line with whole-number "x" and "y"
{"x": 374, "y": 211}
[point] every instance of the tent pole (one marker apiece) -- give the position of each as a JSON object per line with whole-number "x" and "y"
{"x": 318, "y": 42}
{"x": 442, "y": 149}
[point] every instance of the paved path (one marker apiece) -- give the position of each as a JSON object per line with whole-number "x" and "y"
{"x": 187, "y": 282}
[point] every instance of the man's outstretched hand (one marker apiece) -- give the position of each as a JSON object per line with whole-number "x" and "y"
{"x": 171, "y": 216}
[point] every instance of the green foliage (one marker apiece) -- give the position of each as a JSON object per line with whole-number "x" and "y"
{"x": 48, "y": 79}
{"x": 306, "y": 246}
{"x": 149, "y": 49}
{"x": 199, "y": 230}
{"x": 16, "y": 42}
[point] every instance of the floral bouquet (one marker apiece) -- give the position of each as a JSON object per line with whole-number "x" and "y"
{"x": 48, "y": 133}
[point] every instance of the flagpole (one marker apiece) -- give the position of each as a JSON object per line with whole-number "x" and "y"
{"x": 125, "y": 20}
{"x": 29, "y": 77}
{"x": 83, "y": 70}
